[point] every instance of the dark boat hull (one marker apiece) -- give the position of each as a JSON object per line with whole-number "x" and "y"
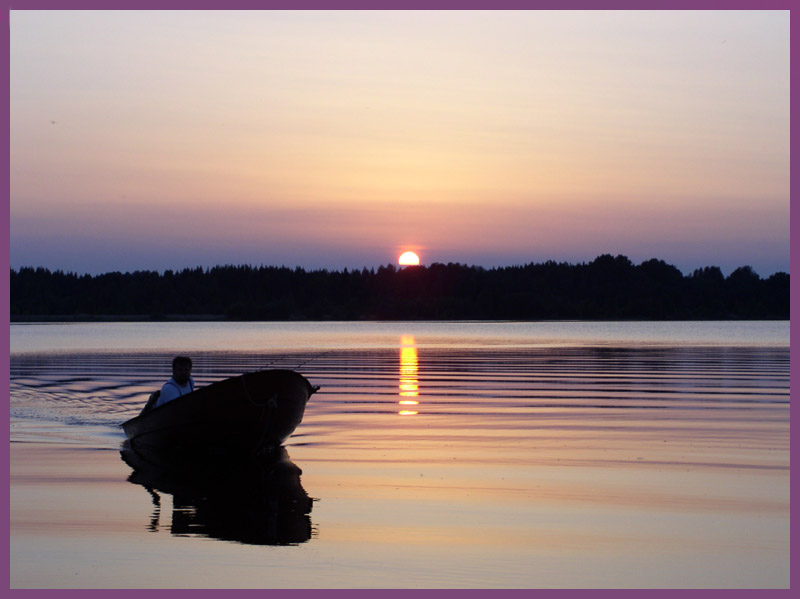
{"x": 248, "y": 413}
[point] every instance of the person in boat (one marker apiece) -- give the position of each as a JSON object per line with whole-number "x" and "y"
{"x": 180, "y": 384}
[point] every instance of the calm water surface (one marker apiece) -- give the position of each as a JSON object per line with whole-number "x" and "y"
{"x": 474, "y": 454}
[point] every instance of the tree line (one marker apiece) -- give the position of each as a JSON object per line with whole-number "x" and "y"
{"x": 609, "y": 287}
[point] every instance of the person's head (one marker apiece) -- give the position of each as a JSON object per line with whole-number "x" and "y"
{"x": 181, "y": 369}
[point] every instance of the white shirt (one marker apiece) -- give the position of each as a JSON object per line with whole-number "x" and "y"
{"x": 172, "y": 390}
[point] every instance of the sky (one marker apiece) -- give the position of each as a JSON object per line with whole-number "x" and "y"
{"x": 155, "y": 140}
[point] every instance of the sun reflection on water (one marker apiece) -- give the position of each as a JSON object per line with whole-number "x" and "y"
{"x": 409, "y": 383}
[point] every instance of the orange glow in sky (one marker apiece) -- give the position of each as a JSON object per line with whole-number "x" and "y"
{"x": 161, "y": 139}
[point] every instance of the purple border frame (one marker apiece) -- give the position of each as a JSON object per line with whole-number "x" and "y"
{"x": 398, "y": 4}
{"x": 331, "y": 4}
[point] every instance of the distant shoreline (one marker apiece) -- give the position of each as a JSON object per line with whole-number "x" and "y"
{"x": 92, "y": 318}
{"x": 42, "y": 318}
{"x": 610, "y": 288}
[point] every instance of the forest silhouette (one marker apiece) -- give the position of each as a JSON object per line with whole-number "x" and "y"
{"x": 608, "y": 288}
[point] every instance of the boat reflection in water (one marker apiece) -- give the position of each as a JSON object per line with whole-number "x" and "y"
{"x": 409, "y": 381}
{"x": 258, "y": 501}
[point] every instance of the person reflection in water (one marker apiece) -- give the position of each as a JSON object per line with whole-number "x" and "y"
{"x": 180, "y": 384}
{"x": 248, "y": 500}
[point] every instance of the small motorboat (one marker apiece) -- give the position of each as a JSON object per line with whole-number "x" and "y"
{"x": 251, "y": 413}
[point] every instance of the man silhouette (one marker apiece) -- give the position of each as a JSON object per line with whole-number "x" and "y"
{"x": 180, "y": 384}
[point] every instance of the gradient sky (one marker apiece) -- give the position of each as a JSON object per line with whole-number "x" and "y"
{"x": 154, "y": 140}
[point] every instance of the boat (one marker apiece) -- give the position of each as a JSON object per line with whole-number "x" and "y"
{"x": 252, "y": 413}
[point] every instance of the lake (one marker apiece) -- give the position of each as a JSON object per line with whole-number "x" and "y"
{"x": 436, "y": 455}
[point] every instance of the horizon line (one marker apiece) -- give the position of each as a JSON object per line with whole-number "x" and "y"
{"x": 163, "y": 271}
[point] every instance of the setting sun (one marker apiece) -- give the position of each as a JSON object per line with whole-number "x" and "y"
{"x": 408, "y": 259}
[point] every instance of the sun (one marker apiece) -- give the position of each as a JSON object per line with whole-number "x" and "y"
{"x": 408, "y": 259}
